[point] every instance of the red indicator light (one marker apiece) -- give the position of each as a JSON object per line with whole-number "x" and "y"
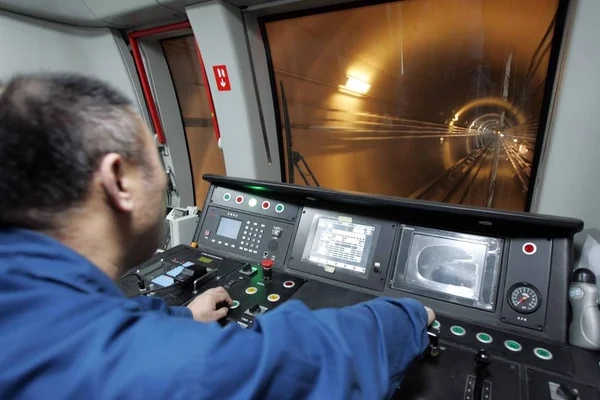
{"x": 529, "y": 248}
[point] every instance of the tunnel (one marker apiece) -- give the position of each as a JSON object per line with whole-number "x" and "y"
{"x": 413, "y": 99}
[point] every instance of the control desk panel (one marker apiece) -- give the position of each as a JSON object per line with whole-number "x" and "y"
{"x": 248, "y": 225}
{"x": 498, "y": 281}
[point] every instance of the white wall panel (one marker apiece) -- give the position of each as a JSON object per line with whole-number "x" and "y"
{"x": 570, "y": 177}
{"x": 219, "y": 30}
{"x": 31, "y": 45}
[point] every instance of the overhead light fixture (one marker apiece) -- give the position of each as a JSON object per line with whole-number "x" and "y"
{"x": 502, "y": 135}
{"x": 356, "y": 85}
{"x": 515, "y": 140}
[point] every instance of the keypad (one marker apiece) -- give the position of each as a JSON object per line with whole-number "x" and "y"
{"x": 251, "y": 237}
{"x": 251, "y": 230}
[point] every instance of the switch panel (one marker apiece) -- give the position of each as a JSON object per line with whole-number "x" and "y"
{"x": 246, "y": 234}
{"x": 254, "y": 203}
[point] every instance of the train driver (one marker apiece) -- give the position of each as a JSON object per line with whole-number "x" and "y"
{"x": 81, "y": 201}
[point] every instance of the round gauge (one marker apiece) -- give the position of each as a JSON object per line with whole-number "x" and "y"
{"x": 524, "y": 298}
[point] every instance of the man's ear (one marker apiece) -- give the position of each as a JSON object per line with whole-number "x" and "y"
{"x": 115, "y": 182}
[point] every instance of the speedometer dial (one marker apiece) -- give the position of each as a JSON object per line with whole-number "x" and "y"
{"x": 524, "y": 298}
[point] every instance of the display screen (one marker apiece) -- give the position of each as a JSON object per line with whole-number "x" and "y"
{"x": 229, "y": 228}
{"x": 340, "y": 243}
{"x": 458, "y": 267}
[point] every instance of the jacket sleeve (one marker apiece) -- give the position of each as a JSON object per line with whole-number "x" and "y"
{"x": 158, "y": 304}
{"x": 356, "y": 352}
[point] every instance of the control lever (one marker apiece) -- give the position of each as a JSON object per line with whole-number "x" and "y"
{"x": 203, "y": 279}
{"x": 433, "y": 350}
{"x": 482, "y": 361}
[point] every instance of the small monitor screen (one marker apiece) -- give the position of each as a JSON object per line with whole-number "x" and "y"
{"x": 340, "y": 243}
{"x": 229, "y": 228}
{"x": 462, "y": 268}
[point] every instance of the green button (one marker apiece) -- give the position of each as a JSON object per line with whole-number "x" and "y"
{"x": 279, "y": 208}
{"x": 512, "y": 345}
{"x": 235, "y": 304}
{"x": 227, "y": 197}
{"x": 542, "y": 353}
{"x": 436, "y": 324}
{"x": 484, "y": 338}
{"x": 458, "y": 330}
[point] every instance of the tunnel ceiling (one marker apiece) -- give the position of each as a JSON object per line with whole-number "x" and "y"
{"x": 424, "y": 58}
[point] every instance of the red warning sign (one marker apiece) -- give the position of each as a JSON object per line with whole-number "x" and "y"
{"x": 222, "y": 78}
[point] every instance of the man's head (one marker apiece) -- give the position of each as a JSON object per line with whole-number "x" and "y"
{"x": 77, "y": 160}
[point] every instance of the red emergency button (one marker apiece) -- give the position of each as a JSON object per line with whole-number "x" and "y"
{"x": 239, "y": 199}
{"x": 529, "y": 248}
{"x": 266, "y": 205}
{"x": 266, "y": 266}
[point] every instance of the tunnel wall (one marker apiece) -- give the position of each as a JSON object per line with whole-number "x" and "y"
{"x": 348, "y": 150}
{"x": 569, "y": 184}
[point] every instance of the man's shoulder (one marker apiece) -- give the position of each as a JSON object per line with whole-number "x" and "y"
{"x": 56, "y": 329}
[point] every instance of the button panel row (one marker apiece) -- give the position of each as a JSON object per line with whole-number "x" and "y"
{"x": 223, "y": 243}
{"x": 252, "y": 202}
{"x": 485, "y": 338}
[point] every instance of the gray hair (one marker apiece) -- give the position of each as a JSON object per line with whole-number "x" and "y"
{"x": 54, "y": 130}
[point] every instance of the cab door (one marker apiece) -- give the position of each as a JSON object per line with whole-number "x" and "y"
{"x": 179, "y": 101}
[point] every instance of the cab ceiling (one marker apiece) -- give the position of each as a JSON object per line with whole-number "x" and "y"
{"x": 108, "y": 13}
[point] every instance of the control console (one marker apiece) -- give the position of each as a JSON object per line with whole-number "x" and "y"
{"x": 257, "y": 289}
{"x": 248, "y": 225}
{"x": 498, "y": 281}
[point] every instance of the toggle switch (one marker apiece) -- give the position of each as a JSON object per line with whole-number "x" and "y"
{"x": 247, "y": 270}
{"x": 567, "y": 393}
{"x": 256, "y": 310}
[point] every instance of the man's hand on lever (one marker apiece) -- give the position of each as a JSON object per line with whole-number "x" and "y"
{"x": 209, "y": 306}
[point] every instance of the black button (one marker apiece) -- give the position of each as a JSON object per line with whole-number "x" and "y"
{"x": 376, "y": 270}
